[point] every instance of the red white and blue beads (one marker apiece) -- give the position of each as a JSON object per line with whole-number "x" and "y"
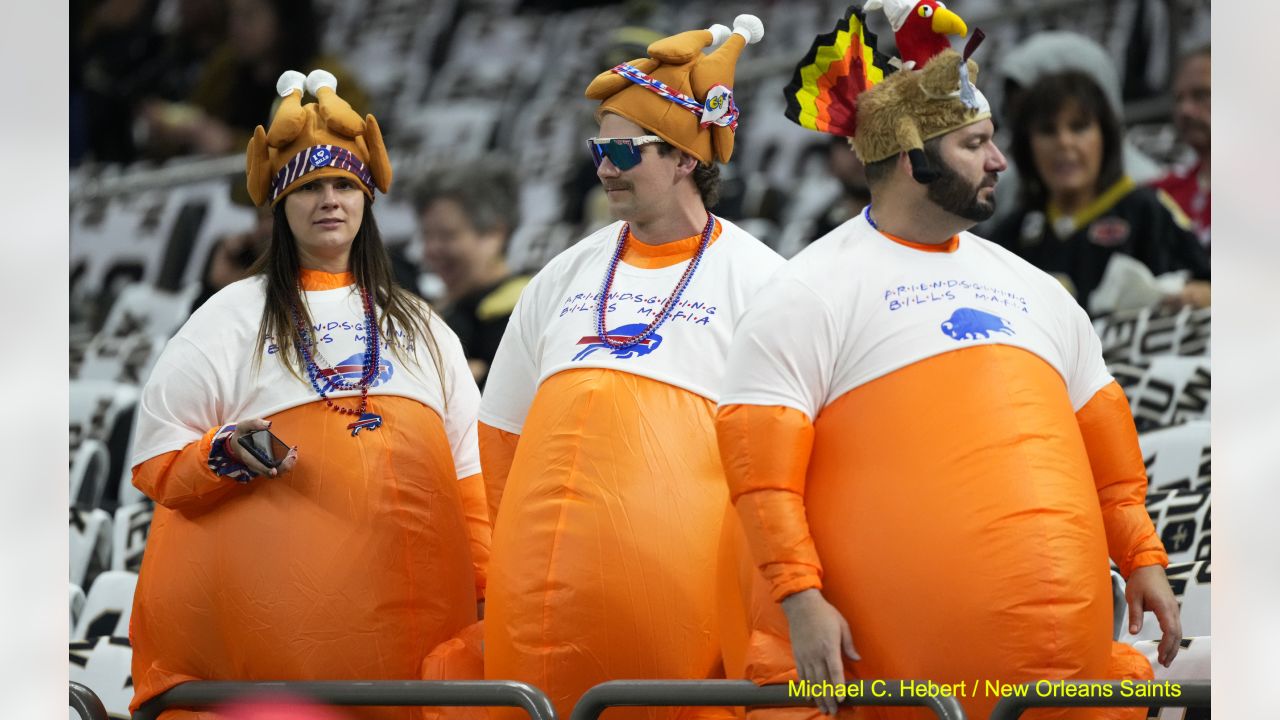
{"x": 671, "y": 301}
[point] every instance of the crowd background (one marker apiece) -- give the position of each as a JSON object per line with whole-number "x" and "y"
{"x": 157, "y": 216}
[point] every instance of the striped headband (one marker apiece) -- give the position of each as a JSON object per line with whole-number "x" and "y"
{"x": 315, "y": 158}
{"x": 720, "y": 109}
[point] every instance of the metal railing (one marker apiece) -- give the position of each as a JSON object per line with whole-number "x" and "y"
{"x": 1085, "y": 693}
{"x": 86, "y": 703}
{"x": 382, "y": 693}
{"x": 702, "y": 693}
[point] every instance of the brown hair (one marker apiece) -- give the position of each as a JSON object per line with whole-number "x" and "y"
{"x": 706, "y": 176}
{"x": 398, "y": 310}
{"x": 1040, "y": 104}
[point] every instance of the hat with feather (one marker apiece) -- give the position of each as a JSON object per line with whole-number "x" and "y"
{"x": 845, "y": 86}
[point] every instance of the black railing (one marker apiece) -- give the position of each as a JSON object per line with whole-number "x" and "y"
{"x": 1084, "y": 693}
{"x": 683, "y": 693}
{"x": 382, "y": 693}
{"x": 87, "y": 703}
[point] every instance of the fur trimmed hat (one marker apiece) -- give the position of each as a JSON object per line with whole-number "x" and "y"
{"x": 326, "y": 138}
{"x": 845, "y": 86}
{"x": 680, "y": 94}
{"x": 911, "y": 107}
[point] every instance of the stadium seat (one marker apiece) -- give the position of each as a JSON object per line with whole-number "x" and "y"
{"x": 103, "y": 665}
{"x": 1192, "y": 663}
{"x": 1119, "y": 606}
{"x": 1182, "y": 519}
{"x": 1135, "y": 336}
{"x": 90, "y": 545}
{"x": 1166, "y": 390}
{"x": 77, "y": 605}
{"x": 132, "y": 525}
{"x": 102, "y": 410}
{"x": 107, "y": 607}
{"x": 1178, "y": 456}
{"x": 89, "y": 466}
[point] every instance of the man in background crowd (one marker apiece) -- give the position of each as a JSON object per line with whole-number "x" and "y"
{"x": 1189, "y": 186}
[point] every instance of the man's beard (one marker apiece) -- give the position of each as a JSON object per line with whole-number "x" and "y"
{"x": 956, "y": 196}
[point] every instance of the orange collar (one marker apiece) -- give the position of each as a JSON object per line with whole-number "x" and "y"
{"x": 651, "y": 257}
{"x": 951, "y": 245}
{"x": 312, "y": 280}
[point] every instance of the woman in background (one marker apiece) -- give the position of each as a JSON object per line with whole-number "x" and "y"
{"x": 1077, "y": 207}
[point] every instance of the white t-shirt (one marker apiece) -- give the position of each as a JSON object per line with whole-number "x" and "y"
{"x": 206, "y": 378}
{"x": 553, "y": 326}
{"x": 855, "y": 306}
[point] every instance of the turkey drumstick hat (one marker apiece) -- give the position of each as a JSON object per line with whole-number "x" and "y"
{"x": 679, "y": 93}
{"x": 326, "y": 138}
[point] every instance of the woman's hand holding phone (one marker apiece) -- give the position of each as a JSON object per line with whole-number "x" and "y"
{"x": 247, "y": 433}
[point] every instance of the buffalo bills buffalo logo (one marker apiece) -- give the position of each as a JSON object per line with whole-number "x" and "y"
{"x": 349, "y": 372}
{"x": 617, "y": 335}
{"x": 968, "y": 324}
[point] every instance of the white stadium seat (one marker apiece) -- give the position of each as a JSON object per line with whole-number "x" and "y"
{"x": 1178, "y": 456}
{"x": 103, "y": 665}
{"x": 132, "y": 525}
{"x": 90, "y": 545}
{"x": 107, "y": 607}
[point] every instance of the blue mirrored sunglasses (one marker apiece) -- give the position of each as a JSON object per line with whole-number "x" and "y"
{"x": 623, "y": 152}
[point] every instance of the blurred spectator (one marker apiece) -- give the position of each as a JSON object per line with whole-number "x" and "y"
{"x": 1189, "y": 185}
{"x": 109, "y": 40}
{"x": 844, "y": 166}
{"x": 233, "y": 256}
{"x": 265, "y": 38}
{"x": 1077, "y": 206}
{"x": 1053, "y": 52}
{"x": 466, "y": 218}
{"x": 200, "y": 28}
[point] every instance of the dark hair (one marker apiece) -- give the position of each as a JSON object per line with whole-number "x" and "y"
{"x": 488, "y": 195}
{"x": 400, "y": 311}
{"x": 880, "y": 170}
{"x": 706, "y": 176}
{"x": 1041, "y": 104}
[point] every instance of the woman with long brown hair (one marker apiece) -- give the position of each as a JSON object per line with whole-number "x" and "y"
{"x": 1078, "y": 207}
{"x": 363, "y": 548}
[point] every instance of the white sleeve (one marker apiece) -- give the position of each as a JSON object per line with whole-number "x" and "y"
{"x": 783, "y": 350}
{"x": 1086, "y": 371}
{"x": 513, "y": 376}
{"x": 462, "y": 403}
{"x": 179, "y": 403}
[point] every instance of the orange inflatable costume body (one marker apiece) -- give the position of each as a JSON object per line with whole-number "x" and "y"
{"x": 355, "y": 564}
{"x": 605, "y": 466}
{"x": 938, "y": 446}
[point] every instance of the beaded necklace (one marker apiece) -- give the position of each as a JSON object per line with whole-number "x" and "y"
{"x": 671, "y": 301}
{"x": 867, "y": 214}
{"x": 372, "y": 358}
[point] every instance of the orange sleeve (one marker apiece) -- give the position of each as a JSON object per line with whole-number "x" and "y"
{"x": 476, "y": 511}
{"x": 1111, "y": 440}
{"x": 765, "y": 453}
{"x": 182, "y": 478}
{"x": 497, "y": 450}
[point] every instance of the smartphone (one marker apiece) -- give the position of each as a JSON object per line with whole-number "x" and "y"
{"x": 266, "y": 447}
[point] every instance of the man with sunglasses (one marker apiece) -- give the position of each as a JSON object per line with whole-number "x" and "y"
{"x": 597, "y": 442}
